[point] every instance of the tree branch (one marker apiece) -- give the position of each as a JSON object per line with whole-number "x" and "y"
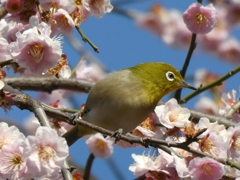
{"x": 48, "y": 83}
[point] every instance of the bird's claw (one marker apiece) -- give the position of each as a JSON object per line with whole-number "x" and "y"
{"x": 74, "y": 117}
{"x": 117, "y": 135}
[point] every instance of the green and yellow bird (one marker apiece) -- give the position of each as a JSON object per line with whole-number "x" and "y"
{"x": 124, "y": 99}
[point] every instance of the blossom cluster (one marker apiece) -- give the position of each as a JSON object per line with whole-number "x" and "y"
{"x": 30, "y": 32}
{"x": 213, "y": 23}
{"x": 214, "y": 139}
{"x": 33, "y": 157}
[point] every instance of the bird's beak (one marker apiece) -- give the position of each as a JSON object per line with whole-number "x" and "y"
{"x": 186, "y": 85}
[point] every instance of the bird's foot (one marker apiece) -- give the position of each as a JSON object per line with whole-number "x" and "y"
{"x": 74, "y": 118}
{"x": 117, "y": 135}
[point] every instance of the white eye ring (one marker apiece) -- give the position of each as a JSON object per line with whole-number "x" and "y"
{"x": 170, "y": 76}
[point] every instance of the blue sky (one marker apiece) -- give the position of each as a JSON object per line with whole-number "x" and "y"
{"x": 122, "y": 44}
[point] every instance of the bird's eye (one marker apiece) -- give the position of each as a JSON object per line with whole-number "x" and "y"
{"x": 170, "y": 76}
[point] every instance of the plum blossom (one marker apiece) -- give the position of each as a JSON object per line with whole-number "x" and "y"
{"x": 92, "y": 72}
{"x": 172, "y": 115}
{"x": 211, "y": 41}
{"x": 9, "y": 134}
{"x": 4, "y": 54}
{"x": 13, "y": 160}
{"x": 51, "y": 5}
{"x": 229, "y": 99}
{"x": 65, "y": 72}
{"x": 63, "y": 23}
{"x": 47, "y": 152}
{"x": 206, "y": 105}
{"x": 233, "y": 9}
{"x": 213, "y": 144}
{"x": 234, "y": 142}
{"x": 143, "y": 164}
{"x": 229, "y": 50}
{"x": 9, "y": 29}
{"x": 200, "y": 19}
{"x": 148, "y": 165}
{"x": 205, "y": 168}
{"x": 99, "y": 146}
{"x": 153, "y": 20}
{"x": 204, "y": 123}
{"x": 35, "y": 51}
{"x": 181, "y": 166}
{"x": 99, "y": 8}
{"x": 13, "y": 7}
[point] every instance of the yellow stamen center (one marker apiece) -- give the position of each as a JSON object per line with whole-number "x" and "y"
{"x": 200, "y": 18}
{"x": 100, "y": 145}
{"x": 173, "y": 116}
{"x": 37, "y": 52}
{"x": 236, "y": 143}
{"x": 78, "y": 2}
{"x": 45, "y": 152}
{"x": 17, "y": 160}
{"x": 207, "y": 169}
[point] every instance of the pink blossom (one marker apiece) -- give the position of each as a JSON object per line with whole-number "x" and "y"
{"x": 99, "y": 8}
{"x": 9, "y": 29}
{"x": 214, "y": 145}
{"x": 204, "y": 123}
{"x": 52, "y": 5}
{"x": 181, "y": 166}
{"x": 82, "y": 4}
{"x": 100, "y": 147}
{"x": 13, "y": 161}
{"x": 90, "y": 72}
{"x": 47, "y": 152}
{"x": 233, "y": 9}
{"x": 63, "y": 23}
{"x": 150, "y": 21}
{"x": 4, "y": 54}
{"x": 175, "y": 31}
{"x": 206, "y": 105}
{"x": 145, "y": 132}
{"x": 205, "y": 168}
{"x": 35, "y": 51}
{"x": 65, "y": 72}
{"x": 143, "y": 164}
{"x": 211, "y": 41}
{"x": 172, "y": 115}
{"x": 200, "y": 19}
{"x": 229, "y": 100}
{"x": 234, "y": 142}
{"x": 181, "y": 37}
{"x": 32, "y": 124}
{"x": 13, "y": 7}
{"x": 8, "y": 134}
{"x": 229, "y": 50}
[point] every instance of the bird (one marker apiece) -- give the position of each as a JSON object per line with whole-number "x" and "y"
{"x": 125, "y": 98}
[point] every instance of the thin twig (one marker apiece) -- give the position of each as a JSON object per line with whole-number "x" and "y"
{"x": 77, "y": 45}
{"x": 177, "y": 95}
{"x": 85, "y": 39}
{"x": 88, "y": 167}
{"x": 210, "y": 85}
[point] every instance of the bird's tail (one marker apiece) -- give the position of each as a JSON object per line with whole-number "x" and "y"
{"x": 72, "y": 135}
